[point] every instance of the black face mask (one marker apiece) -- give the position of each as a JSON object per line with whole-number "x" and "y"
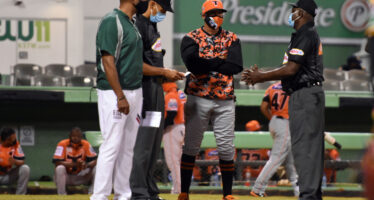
{"x": 210, "y": 22}
{"x": 142, "y": 6}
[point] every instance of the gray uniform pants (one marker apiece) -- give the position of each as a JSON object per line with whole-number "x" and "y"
{"x": 221, "y": 113}
{"x": 307, "y": 121}
{"x": 280, "y": 153}
{"x": 19, "y": 175}
{"x": 62, "y": 179}
{"x": 146, "y": 152}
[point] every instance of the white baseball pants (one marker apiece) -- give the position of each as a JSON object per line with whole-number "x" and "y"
{"x": 119, "y": 132}
{"x": 173, "y": 142}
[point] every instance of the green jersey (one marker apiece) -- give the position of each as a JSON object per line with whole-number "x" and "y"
{"x": 118, "y": 36}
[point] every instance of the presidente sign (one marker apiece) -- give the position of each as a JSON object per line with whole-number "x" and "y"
{"x": 335, "y": 19}
{"x": 33, "y": 41}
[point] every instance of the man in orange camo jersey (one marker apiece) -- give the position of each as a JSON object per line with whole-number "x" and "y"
{"x": 213, "y": 55}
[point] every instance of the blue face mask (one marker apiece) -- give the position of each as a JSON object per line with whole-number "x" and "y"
{"x": 290, "y": 21}
{"x": 158, "y": 17}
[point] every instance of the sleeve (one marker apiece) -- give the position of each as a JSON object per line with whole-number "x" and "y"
{"x": 171, "y": 108}
{"x": 107, "y": 36}
{"x": 18, "y": 153}
{"x": 90, "y": 152}
{"x": 233, "y": 64}
{"x": 192, "y": 60}
{"x": 59, "y": 153}
{"x": 170, "y": 116}
{"x": 267, "y": 95}
{"x": 300, "y": 49}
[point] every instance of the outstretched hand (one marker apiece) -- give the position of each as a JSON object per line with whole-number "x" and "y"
{"x": 252, "y": 75}
{"x": 173, "y": 75}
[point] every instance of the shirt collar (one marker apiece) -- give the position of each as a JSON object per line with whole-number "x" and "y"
{"x": 218, "y": 33}
{"x": 121, "y": 13}
{"x": 305, "y": 27}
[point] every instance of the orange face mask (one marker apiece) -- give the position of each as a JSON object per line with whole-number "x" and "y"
{"x": 218, "y": 20}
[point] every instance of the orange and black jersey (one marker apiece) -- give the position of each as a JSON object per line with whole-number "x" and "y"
{"x": 14, "y": 151}
{"x": 68, "y": 152}
{"x": 278, "y": 100}
{"x": 202, "y": 53}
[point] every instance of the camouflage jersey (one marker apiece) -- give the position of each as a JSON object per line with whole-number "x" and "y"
{"x": 213, "y": 59}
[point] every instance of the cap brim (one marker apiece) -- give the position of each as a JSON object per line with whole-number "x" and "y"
{"x": 223, "y": 10}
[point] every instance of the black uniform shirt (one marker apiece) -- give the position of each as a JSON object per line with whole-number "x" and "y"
{"x": 153, "y": 54}
{"x": 305, "y": 49}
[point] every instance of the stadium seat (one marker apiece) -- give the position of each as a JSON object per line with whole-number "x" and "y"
{"x": 59, "y": 70}
{"x": 243, "y": 85}
{"x": 360, "y": 75}
{"x": 356, "y": 85}
{"x": 263, "y": 86}
{"x": 86, "y": 70}
{"x": 23, "y": 73}
{"x": 44, "y": 80}
{"x": 333, "y": 74}
{"x": 237, "y": 78}
{"x": 332, "y": 85}
{"x": 80, "y": 81}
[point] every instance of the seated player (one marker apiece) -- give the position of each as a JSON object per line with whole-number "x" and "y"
{"x": 12, "y": 162}
{"x": 75, "y": 162}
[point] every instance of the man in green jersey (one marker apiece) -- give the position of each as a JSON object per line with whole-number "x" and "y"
{"x": 119, "y": 50}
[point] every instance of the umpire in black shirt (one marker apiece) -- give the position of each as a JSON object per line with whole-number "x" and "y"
{"x": 302, "y": 77}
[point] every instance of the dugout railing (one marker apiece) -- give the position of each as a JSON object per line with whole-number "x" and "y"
{"x": 356, "y": 142}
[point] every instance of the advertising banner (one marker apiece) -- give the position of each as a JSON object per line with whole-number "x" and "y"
{"x": 338, "y": 21}
{"x": 39, "y": 42}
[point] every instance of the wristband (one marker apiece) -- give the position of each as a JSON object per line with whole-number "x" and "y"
{"x": 121, "y": 98}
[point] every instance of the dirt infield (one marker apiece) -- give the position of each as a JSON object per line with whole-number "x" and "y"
{"x": 166, "y": 196}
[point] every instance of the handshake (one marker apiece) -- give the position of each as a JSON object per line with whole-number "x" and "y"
{"x": 252, "y": 75}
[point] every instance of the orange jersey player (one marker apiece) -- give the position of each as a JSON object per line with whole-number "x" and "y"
{"x": 174, "y": 131}
{"x": 275, "y": 107}
{"x": 12, "y": 162}
{"x": 75, "y": 162}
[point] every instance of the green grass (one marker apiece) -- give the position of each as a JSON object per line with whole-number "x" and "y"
{"x": 166, "y": 196}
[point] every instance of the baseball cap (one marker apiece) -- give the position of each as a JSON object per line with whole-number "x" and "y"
{"x": 253, "y": 125}
{"x": 308, "y": 5}
{"x": 211, "y": 5}
{"x": 165, "y": 4}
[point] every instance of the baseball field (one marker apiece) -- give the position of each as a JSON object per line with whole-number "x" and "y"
{"x": 165, "y": 196}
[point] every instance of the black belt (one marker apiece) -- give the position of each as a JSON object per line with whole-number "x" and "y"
{"x": 279, "y": 117}
{"x": 304, "y": 85}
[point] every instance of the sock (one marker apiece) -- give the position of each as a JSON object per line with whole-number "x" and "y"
{"x": 227, "y": 171}
{"x": 187, "y": 165}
